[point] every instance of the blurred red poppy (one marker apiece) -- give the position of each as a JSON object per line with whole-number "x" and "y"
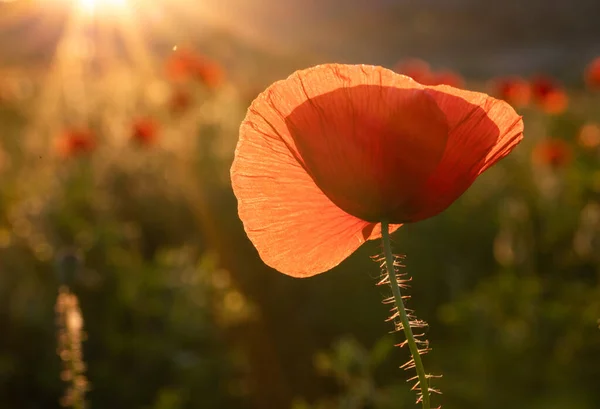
{"x": 589, "y": 136}
{"x": 327, "y": 154}
{"x": 421, "y": 72}
{"x": 549, "y": 95}
{"x": 446, "y": 77}
{"x": 75, "y": 142}
{"x": 553, "y": 153}
{"x": 184, "y": 65}
{"x": 209, "y": 73}
{"x": 180, "y": 64}
{"x": 416, "y": 69}
{"x": 180, "y": 101}
{"x": 145, "y": 131}
{"x": 514, "y": 90}
{"x": 592, "y": 74}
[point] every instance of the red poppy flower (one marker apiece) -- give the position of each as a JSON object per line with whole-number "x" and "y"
{"x": 209, "y": 73}
{"x": 75, "y": 142}
{"x": 549, "y": 95}
{"x": 145, "y": 131}
{"x": 184, "y": 65}
{"x": 327, "y": 154}
{"x": 415, "y": 68}
{"x": 554, "y": 153}
{"x": 446, "y": 77}
{"x": 180, "y": 64}
{"x": 516, "y": 91}
{"x": 592, "y": 74}
{"x": 421, "y": 72}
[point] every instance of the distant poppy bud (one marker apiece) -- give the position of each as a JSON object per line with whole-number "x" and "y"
{"x": 327, "y": 154}
{"x": 144, "y": 131}
{"x": 76, "y": 142}
{"x": 592, "y": 74}
{"x": 549, "y": 95}
{"x": 553, "y": 153}
{"x": 516, "y": 91}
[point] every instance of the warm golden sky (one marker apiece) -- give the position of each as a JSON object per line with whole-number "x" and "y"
{"x": 462, "y": 34}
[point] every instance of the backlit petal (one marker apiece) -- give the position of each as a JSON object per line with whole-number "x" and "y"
{"x": 370, "y": 143}
{"x": 483, "y": 130}
{"x": 295, "y": 227}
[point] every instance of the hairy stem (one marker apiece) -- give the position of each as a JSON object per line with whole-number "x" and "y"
{"x": 410, "y": 338}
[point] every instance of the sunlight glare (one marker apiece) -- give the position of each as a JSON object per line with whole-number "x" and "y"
{"x": 96, "y": 7}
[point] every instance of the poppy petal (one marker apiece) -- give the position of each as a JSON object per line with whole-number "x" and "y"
{"x": 483, "y": 130}
{"x": 370, "y": 142}
{"x": 295, "y": 227}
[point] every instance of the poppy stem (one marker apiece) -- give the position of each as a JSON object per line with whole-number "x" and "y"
{"x": 406, "y": 326}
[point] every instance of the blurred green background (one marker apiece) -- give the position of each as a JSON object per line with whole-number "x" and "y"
{"x": 118, "y": 122}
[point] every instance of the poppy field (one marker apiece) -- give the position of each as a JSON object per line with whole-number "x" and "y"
{"x": 189, "y": 221}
